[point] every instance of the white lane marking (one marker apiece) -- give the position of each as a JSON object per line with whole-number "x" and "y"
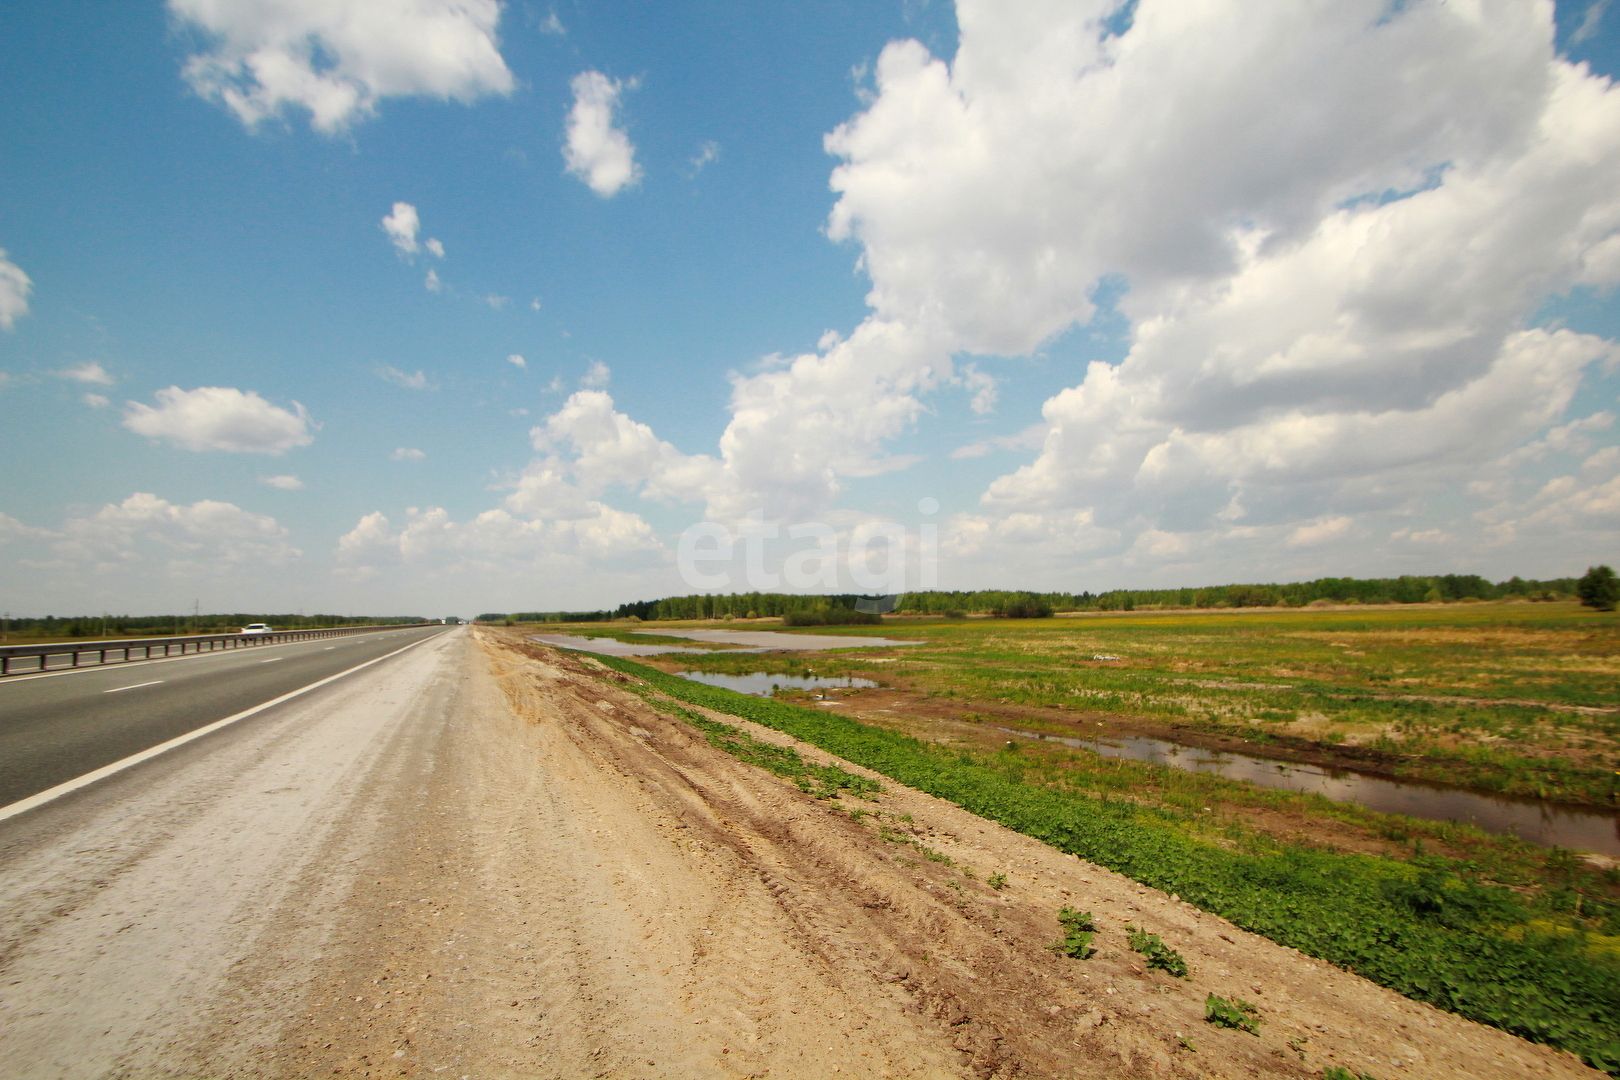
{"x": 329, "y": 648}
{"x": 136, "y": 686}
{"x": 22, "y": 806}
{"x": 217, "y": 654}
{"x": 272, "y": 660}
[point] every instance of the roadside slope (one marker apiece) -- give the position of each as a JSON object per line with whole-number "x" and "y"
{"x": 803, "y": 896}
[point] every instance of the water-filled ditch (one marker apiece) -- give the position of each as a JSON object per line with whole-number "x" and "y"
{"x": 1573, "y": 827}
{"x": 761, "y": 683}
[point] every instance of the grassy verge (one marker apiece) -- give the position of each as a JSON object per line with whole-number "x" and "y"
{"x": 822, "y": 781}
{"x": 1426, "y": 928}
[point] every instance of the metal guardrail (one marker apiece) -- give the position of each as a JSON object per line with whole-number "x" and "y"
{"x": 133, "y": 649}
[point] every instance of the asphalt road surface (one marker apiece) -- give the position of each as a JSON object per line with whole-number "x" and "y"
{"x": 56, "y": 727}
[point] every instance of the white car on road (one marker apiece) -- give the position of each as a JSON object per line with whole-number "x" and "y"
{"x": 258, "y": 628}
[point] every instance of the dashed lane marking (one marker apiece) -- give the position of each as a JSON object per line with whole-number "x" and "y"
{"x": 134, "y": 686}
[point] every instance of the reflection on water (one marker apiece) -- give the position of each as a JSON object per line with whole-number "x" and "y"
{"x": 761, "y": 683}
{"x": 1539, "y": 822}
{"x": 606, "y": 646}
{"x": 773, "y": 639}
{"x": 747, "y": 641}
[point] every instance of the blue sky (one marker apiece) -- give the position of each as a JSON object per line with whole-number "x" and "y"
{"x": 1240, "y": 292}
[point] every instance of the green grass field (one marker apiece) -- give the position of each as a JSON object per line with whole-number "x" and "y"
{"x": 1515, "y": 698}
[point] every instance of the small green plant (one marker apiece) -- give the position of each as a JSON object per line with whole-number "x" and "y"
{"x": 1078, "y": 930}
{"x": 1159, "y": 955}
{"x": 997, "y": 881}
{"x": 1339, "y": 1072}
{"x": 1236, "y": 1014}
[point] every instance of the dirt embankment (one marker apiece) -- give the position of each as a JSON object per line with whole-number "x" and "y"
{"x": 598, "y": 892}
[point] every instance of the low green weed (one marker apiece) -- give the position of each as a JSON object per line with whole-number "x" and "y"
{"x": 996, "y": 881}
{"x": 1339, "y": 1072}
{"x": 1078, "y": 930}
{"x": 1159, "y": 955}
{"x": 822, "y": 781}
{"x": 1236, "y": 1014}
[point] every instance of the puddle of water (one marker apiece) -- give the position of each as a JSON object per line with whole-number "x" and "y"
{"x": 1577, "y": 828}
{"x": 748, "y": 641}
{"x": 761, "y": 683}
{"x": 771, "y": 639}
{"x": 603, "y": 646}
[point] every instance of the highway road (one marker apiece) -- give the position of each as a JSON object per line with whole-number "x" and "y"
{"x": 59, "y": 726}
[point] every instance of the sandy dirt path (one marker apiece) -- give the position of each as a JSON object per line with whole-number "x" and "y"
{"x": 492, "y": 860}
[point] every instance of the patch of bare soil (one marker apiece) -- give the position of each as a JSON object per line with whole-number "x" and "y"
{"x": 599, "y": 892}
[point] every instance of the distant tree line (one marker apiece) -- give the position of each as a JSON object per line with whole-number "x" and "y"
{"x": 95, "y": 626}
{"x": 752, "y": 605}
{"x": 834, "y": 609}
{"x": 545, "y": 616}
{"x": 1407, "y": 589}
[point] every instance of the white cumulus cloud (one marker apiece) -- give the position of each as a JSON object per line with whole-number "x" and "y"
{"x": 1329, "y": 225}
{"x": 596, "y": 151}
{"x": 285, "y": 483}
{"x": 338, "y": 58}
{"x": 1319, "y": 532}
{"x": 14, "y": 289}
{"x": 1325, "y": 229}
{"x": 517, "y": 361}
{"x": 402, "y": 224}
{"x": 406, "y": 453}
{"x": 508, "y": 549}
{"x": 707, "y": 154}
{"x": 416, "y": 380}
{"x": 220, "y": 418}
{"x": 87, "y": 372}
{"x": 145, "y": 531}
